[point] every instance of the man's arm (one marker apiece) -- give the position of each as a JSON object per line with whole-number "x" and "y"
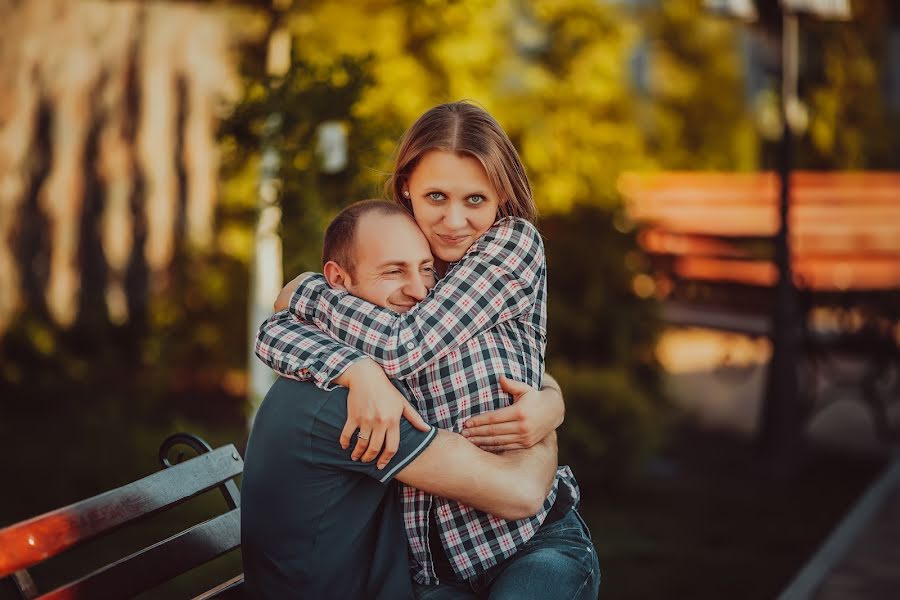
{"x": 512, "y": 485}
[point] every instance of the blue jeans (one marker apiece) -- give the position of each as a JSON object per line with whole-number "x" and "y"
{"x": 558, "y": 562}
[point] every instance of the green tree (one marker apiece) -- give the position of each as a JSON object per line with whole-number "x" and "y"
{"x": 695, "y": 113}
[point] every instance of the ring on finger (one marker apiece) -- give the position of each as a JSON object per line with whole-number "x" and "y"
{"x": 360, "y": 435}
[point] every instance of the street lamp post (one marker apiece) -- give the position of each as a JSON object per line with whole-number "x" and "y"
{"x": 782, "y": 416}
{"x": 781, "y": 420}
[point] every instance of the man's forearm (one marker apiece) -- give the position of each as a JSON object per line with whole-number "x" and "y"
{"x": 512, "y": 485}
{"x": 550, "y": 385}
{"x": 537, "y": 463}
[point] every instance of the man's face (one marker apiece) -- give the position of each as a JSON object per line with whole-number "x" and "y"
{"x": 394, "y": 265}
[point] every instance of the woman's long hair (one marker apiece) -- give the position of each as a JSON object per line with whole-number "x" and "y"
{"x": 465, "y": 128}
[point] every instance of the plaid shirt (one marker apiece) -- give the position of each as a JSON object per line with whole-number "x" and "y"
{"x": 485, "y": 318}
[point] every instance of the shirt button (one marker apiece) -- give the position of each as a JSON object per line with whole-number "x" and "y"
{"x": 410, "y": 345}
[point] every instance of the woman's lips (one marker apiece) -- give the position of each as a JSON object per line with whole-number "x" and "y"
{"x": 453, "y": 240}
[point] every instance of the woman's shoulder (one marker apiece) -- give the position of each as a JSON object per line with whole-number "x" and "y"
{"x": 515, "y": 228}
{"x": 509, "y": 235}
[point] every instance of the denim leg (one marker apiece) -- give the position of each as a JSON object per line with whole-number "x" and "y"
{"x": 558, "y": 562}
{"x": 450, "y": 590}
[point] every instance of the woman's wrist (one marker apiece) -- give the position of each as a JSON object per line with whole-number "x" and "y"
{"x": 359, "y": 369}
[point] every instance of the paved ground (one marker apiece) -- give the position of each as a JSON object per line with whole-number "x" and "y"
{"x": 870, "y": 569}
{"x": 720, "y": 378}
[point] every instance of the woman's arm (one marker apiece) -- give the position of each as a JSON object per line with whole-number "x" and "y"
{"x": 300, "y": 350}
{"x": 498, "y": 279}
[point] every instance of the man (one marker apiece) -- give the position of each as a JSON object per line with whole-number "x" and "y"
{"x": 316, "y": 522}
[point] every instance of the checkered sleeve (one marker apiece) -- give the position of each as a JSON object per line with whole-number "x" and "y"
{"x": 300, "y": 350}
{"x": 497, "y": 280}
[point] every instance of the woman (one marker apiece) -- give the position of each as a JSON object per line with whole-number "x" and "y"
{"x": 460, "y": 177}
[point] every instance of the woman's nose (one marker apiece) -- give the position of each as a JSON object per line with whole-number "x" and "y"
{"x": 454, "y": 216}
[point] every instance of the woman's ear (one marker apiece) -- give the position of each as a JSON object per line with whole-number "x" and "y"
{"x": 336, "y": 276}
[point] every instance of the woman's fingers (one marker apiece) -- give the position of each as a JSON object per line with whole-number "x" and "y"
{"x": 514, "y": 388}
{"x": 363, "y": 442}
{"x": 511, "y": 428}
{"x": 391, "y": 443}
{"x": 376, "y": 441}
{"x": 363, "y": 429}
{"x": 347, "y": 431}
{"x": 496, "y": 422}
{"x": 413, "y": 416}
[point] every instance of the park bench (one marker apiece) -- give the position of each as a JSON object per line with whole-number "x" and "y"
{"x": 709, "y": 239}
{"x": 28, "y": 543}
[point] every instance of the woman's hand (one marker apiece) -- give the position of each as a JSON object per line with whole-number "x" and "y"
{"x": 283, "y": 301}
{"x": 374, "y": 407}
{"x": 531, "y": 417}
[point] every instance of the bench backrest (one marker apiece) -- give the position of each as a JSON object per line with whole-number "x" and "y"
{"x": 845, "y": 227}
{"x": 30, "y": 542}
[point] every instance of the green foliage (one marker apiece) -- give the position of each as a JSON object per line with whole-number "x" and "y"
{"x": 843, "y": 84}
{"x": 556, "y": 73}
{"x": 600, "y": 345}
{"x": 695, "y": 114}
{"x": 612, "y": 425}
{"x": 309, "y": 95}
{"x": 594, "y": 316}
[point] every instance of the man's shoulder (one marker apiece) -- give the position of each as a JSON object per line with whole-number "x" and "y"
{"x": 298, "y": 402}
{"x": 284, "y": 386}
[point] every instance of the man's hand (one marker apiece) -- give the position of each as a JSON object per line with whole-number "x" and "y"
{"x": 283, "y": 301}
{"x": 374, "y": 406}
{"x": 532, "y": 416}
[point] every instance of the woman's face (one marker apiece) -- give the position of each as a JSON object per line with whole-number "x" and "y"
{"x": 452, "y": 200}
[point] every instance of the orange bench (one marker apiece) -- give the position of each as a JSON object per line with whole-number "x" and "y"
{"x": 34, "y": 541}
{"x": 709, "y": 240}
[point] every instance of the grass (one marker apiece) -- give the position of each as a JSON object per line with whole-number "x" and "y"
{"x": 704, "y": 521}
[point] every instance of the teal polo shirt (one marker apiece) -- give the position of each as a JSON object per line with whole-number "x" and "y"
{"x": 315, "y": 524}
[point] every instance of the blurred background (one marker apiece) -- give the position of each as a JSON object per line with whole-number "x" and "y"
{"x": 165, "y": 165}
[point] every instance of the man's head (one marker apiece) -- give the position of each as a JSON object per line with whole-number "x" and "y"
{"x": 374, "y": 250}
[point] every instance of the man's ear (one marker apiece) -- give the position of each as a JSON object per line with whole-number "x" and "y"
{"x": 336, "y": 276}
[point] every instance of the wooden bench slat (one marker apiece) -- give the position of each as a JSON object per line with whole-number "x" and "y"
{"x": 807, "y": 186}
{"x": 760, "y": 221}
{"x": 660, "y": 241}
{"x": 30, "y": 542}
{"x": 158, "y": 563}
{"x": 224, "y": 590}
{"x": 834, "y": 197}
{"x": 816, "y": 273}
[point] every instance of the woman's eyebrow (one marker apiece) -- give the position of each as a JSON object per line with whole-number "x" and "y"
{"x": 441, "y": 188}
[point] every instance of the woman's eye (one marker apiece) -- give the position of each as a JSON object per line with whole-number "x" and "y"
{"x": 436, "y": 196}
{"x": 476, "y": 200}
